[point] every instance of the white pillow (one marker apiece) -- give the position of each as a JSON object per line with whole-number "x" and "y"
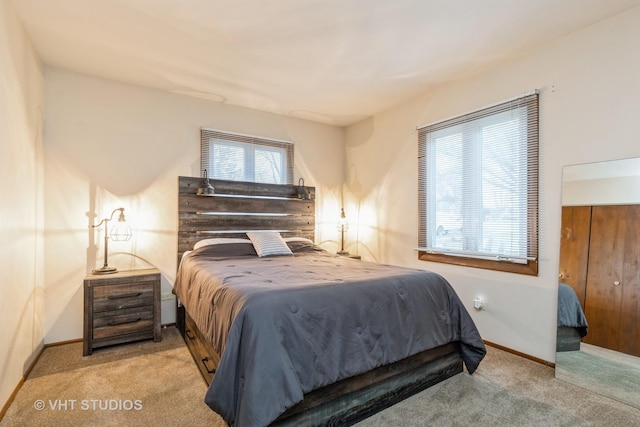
{"x": 218, "y": 241}
{"x": 268, "y": 243}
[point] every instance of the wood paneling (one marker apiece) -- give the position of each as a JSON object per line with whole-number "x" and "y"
{"x": 574, "y": 248}
{"x": 613, "y": 279}
{"x": 238, "y": 207}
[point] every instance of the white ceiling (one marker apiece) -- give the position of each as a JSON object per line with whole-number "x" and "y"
{"x": 330, "y": 61}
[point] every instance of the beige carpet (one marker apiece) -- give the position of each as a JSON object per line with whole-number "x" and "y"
{"x": 145, "y": 383}
{"x": 507, "y": 391}
{"x": 151, "y": 383}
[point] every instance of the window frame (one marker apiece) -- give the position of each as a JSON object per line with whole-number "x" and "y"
{"x": 249, "y": 144}
{"x": 530, "y": 265}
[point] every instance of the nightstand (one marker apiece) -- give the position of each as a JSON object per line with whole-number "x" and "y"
{"x": 121, "y": 307}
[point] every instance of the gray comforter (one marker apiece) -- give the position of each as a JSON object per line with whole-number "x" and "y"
{"x": 287, "y": 325}
{"x": 570, "y": 311}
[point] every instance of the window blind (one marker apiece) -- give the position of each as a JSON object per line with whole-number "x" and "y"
{"x": 478, "y": 183}
{"x": 233, "y": 156}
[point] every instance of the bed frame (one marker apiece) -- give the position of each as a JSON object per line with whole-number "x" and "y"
{"x": 568, "y": 339}
{"x": 238, "y": 207}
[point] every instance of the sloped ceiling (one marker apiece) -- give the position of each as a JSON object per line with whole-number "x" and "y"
{"x": 330, "y": 61}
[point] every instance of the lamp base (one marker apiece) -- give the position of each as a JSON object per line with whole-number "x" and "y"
{"x": 342, "y": 252}
{"x": 105, "y": 270}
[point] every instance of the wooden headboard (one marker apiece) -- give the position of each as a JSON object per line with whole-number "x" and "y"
{"x": 238, "y": 207}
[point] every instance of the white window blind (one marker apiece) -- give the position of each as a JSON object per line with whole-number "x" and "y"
{"x": 238, "y": 157}
{"x": 478, "y": 184}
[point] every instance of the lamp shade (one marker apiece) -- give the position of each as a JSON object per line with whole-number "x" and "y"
{"x": 119, "y": 232}
{"x": 205, "y": 188}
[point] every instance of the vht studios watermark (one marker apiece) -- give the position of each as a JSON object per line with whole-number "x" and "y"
{"x": 88, "y": 405}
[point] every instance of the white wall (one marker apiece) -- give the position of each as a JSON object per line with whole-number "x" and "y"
{"x": 109, "y": 145}
{"x": 21, "y": 201}
{"x": 614, "y": 182}
{"x": 603, "y": 191}
{"x": 588, "y": 112}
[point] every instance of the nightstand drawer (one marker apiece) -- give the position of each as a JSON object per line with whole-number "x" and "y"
{"x": 117, "y": 317}
{"x": 129, "y": 325}
{"x": 118, "y": 297}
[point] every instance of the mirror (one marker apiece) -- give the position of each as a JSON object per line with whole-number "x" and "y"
{"x": 600, "y": 279}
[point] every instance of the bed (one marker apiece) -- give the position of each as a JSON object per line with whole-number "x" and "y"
{"x": 572, "y": 323}
{"x": 304, "y": 337}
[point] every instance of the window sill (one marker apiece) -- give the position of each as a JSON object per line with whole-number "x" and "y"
{"x": 531, "y": 268}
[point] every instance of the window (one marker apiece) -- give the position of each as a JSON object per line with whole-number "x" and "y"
{"x": 238, "y": 157}
{"x": 478, "y": 188}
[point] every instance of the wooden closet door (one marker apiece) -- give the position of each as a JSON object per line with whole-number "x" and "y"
{"x": 574, "y": 248}
{"x": 613, "y": 279}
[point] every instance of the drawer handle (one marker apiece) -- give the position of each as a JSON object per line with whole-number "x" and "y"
{"x": 189, "y": 335}
{"x": 125, "y": 322}
{"x": 129, "y": 295}
{"x": 209, "y": 370}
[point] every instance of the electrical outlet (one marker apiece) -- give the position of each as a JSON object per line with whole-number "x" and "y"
{"x": 167, "y": 296}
